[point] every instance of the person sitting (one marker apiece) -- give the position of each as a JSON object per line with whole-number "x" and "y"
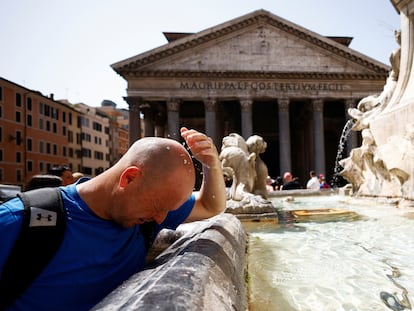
{"x": 290, "y": 183}
{"x": 313, "y": 182}
{"x": 323, "y": 183}
{"x": 269, "y": 184}
{"x": 63, "y": 172}
{"x": 104, "y": 242}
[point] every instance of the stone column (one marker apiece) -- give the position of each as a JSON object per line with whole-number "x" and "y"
{"x": 318, "y": 136}
{"x": 210, "y": 113}
{"x": 246, "y": 118}
{"x": 173, "y": 117}
{"x": 134, "y": 118}
{"x": 149, "y": 129}
{"x": 284, "y": 136}
{"x": 352, "y": 141}
{"x": 160, "y": 119}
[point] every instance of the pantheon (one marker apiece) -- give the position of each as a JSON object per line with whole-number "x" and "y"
{"x": 257, "y": 74}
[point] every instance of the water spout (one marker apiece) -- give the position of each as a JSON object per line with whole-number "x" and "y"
{"x": 336, "y": 180}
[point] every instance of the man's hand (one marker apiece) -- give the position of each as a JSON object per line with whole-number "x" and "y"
{"x": 202, "y": 147}
{"x": 211, "y": 199}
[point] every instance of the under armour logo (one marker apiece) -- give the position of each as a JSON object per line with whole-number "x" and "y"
{"x": 41, "y": 217}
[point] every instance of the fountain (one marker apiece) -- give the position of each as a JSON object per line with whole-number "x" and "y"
{"x": 329, "y": 264}
{"x": 383, "y": 166}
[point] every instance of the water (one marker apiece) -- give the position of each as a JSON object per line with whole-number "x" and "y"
{"x": 339, "y": 155}
{"x": 362, "y": 261}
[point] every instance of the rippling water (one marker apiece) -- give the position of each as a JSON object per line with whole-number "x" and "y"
{"x": 362, "y": 261}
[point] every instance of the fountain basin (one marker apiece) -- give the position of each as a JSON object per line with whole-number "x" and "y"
{"x": 203, "y": 270}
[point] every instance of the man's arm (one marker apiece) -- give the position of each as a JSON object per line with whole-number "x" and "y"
{"x": 211, "y": 199}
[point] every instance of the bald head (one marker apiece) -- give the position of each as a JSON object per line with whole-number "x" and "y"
{"x": 160, "y": 160}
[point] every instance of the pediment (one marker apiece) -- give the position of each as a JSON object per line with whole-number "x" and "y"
{"x": 257, "y": 42}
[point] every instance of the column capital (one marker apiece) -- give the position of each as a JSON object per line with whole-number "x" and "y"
{"x": 173, "y": 104}
{"x": 134, "y": 102}
{"x": 283, "y": 103}
{"x": 246, "y": 104}
{"x": 210, "y": 104}
{"x": 317, "y": 104}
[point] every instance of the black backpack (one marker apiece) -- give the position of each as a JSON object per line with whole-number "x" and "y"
{"x": 41, "y": 235}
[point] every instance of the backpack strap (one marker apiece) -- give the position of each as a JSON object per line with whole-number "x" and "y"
{"x": 40, "y": 237}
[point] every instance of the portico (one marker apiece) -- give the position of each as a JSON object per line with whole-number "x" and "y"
{"x": 257, "y": 74}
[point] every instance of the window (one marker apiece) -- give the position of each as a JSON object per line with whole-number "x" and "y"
{"x": 18, "y": 116}
{"x": 18, "y": 138}
{"x": 1, "y": 134}
{"x": 29, "y": 104}
{"x": 18, "y": 100}
{"x": 19, "y": 175}
{"x": 41, "y": 124}
{"x": 29, "y": 120}
{"x": 1, "y": 174}
{"x": 47, "y": 110}
{"x": 41, "y": 167}
{"x": 64, "y": 151}
{"x": 64, "y": 130}
{"x": 98, "y": 155}
{"x": 41, "y": 108}
{"x": 1, "y": 93}
{"x": 48, "y": 148}
{"x": 54, "y": 127}
{"x": 41, "y": 147}
{"x": 30, "y": 166}
{"x": 1, "y": 154}
{"x": 64, "y": 116}
{"x": 70, "y": 136}
{"x": 97, "y": 127}
{"x": 54, "y": 149}
{"x": 29, "y": 144}
{"x": 18, "y": 157}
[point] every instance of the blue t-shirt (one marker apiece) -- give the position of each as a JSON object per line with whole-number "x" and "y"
{"x": 95, "y": 256}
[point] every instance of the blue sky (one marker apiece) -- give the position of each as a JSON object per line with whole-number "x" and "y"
{"x": 66, "y": 47}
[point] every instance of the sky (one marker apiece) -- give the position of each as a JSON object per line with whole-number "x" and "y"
{"x": 67, "y": 47}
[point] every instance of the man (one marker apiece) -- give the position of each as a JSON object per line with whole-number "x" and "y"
{"x": 313, "y": 182}
{"x": 63, "y": 172}
{"x": 290, "y": 183}
{"x": 103, "y": 244}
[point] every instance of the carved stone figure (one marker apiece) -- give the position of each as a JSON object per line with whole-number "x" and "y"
{"x": 239, "y": 164}
{"x": 372, "y": 105}
{"x": 257, "y": 145}
{"x": 241, "y": 161}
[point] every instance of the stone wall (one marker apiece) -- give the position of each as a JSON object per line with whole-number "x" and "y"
{"x": 203, "y": 270}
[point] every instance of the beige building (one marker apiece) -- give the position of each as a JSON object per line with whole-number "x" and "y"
{"x": 94, "y": 139}
{"x": 257, "y": 74}
{"x": 118, "y": 129}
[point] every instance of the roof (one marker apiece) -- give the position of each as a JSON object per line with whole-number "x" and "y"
{"x": 216, "y": 50}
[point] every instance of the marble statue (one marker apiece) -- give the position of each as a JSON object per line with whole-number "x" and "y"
{"x": 241, "y": 161}
{"x": 372, "y": 105}
{"x": 257, "y": 145}
{"x": 383, "y": 166}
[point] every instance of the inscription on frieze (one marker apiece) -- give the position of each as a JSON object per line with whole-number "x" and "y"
{"x": 260, "y": 86}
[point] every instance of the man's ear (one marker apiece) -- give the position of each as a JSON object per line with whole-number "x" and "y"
{"x": 128, "y": 175}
